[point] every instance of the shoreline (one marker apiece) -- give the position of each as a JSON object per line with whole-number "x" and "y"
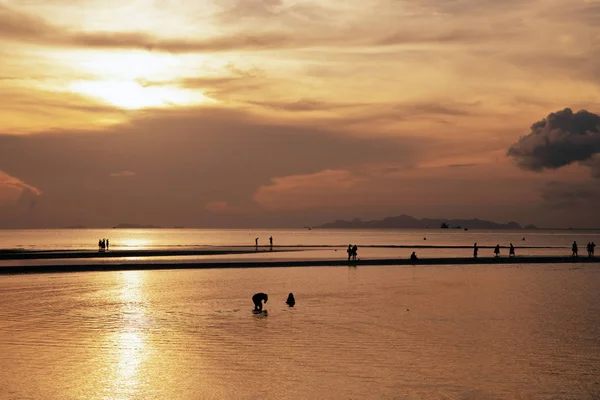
{"x": 45, "y": 269}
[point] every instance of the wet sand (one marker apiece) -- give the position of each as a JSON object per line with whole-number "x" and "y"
{"x": 57, "y": 254}
{"x": 212, "y": 264}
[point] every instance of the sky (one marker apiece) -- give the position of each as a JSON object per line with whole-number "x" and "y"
{"x": 288, "y": 113}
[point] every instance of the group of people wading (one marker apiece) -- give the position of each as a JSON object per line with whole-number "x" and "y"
{"x": 103, "y": 244}
{"x": 352, "y": 252}
{"x": 591, "y": 246}
{"x": 511, "y": 250}
{"x": 258, "y": 299}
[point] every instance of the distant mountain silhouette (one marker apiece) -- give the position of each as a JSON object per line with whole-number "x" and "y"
{"x": 408, "y": 222}
{"x": 135, "y": 226}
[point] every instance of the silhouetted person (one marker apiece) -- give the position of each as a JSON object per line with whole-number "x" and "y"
{"x": 511, "y": 251}
{"x": 475, "y": 250}
{"x": 593, "y": 247}
{"x": 106, "y": 244}
{"x": 497, "y": 250}
{"x": 271, "y": 242}
{"x": 291, "y": 301}
{"x": 349, "y": 252}
{"x": 354, "y": 252}
{"x": 257, "y": 299}
{"x": 256, "y": 244}
{"x": 413, "y": 257}
{"x": 574, "y": 249}
{"x": 99, "y": 244}
{"x": 589, "y": 249}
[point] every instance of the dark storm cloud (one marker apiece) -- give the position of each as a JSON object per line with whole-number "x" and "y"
{"x": 560, "y": 139}
{"x": 182, "y": 161}
{"x": 594, "y": 165}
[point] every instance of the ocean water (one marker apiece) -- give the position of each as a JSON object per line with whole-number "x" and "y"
{"x": 308, "y": 244}
{"x": 447, "y": 332}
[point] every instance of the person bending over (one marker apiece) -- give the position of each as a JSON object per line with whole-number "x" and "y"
{"x": 257, "y": 299}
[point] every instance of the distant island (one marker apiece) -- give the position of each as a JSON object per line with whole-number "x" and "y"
{"x": 135, "y": 226}
{"x": 408, "y": 222}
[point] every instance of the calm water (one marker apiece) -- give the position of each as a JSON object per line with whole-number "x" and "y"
{"x": 543, "y": 242}
{"x": 475, "y": 332}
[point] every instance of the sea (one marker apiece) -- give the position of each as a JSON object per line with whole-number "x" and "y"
{"x": 518, "y": 331}
{"x": 300, "y": 244}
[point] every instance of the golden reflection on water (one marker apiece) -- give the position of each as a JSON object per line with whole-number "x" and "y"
{"x": 129, "y": 340}
{"x": 136, "y": 243}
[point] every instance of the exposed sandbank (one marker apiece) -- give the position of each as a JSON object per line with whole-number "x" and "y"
{"x": 57, "y": 254}
{"x": 39, "y": 269}
{"x": 22, "y": 254}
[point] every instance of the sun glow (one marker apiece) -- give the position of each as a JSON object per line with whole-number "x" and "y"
{"x": 131, "y": 95}
{"x": 133, "y": 79}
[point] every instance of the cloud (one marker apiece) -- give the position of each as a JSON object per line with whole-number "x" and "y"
{"x": 260, "y": 25}
{"x": 303, "y": 105}
{"x": 221, "y": 207}
{"x": 595, "y": 165}
{"x": 123, "y": 174}
{"x": 461, "y": 165}
{"x": 16, "y": 25}
{"x": 569, "y": 195}
{"x": 16, "y": 194}
{"x": 560, "y": 139}
{"x": 300, "y": 192}
{"x": 183, "y": 160}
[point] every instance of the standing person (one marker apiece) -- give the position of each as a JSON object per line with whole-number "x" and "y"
{"x": 256, "y": 244}
{"x": 106, "y": 244}
{"x": 593, "y": 247}
{"x": 271, "y": 242}
{"x": 511, "y": 251}
{"x": 475, "y": 250}
{"x": 291, "y": 301}
{"x": 497, "y": 250}
{"x": 99, "y": 244}
{"x": 349, "y": 252}
{"x": 354, "y": 252}
{"x": 589, "y": 249}
{"x": 257, "y": 299}
{"x": 574, "y": 249}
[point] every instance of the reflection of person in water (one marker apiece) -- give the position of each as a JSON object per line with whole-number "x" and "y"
{"x": 290, "y": 300}
{"x": 258, "y": 299}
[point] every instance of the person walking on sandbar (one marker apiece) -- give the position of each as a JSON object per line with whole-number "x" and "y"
{"x": 475, "y": 250}
{"x": 257, "y": 299}
{"x": 511, "y": 251}
{"x": 497, "y": 250}
{"x": 271, "y": 242}
{"x": 574, "y": 249}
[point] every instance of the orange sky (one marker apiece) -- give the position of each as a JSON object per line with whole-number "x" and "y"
{"x": 288, "y": 113}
